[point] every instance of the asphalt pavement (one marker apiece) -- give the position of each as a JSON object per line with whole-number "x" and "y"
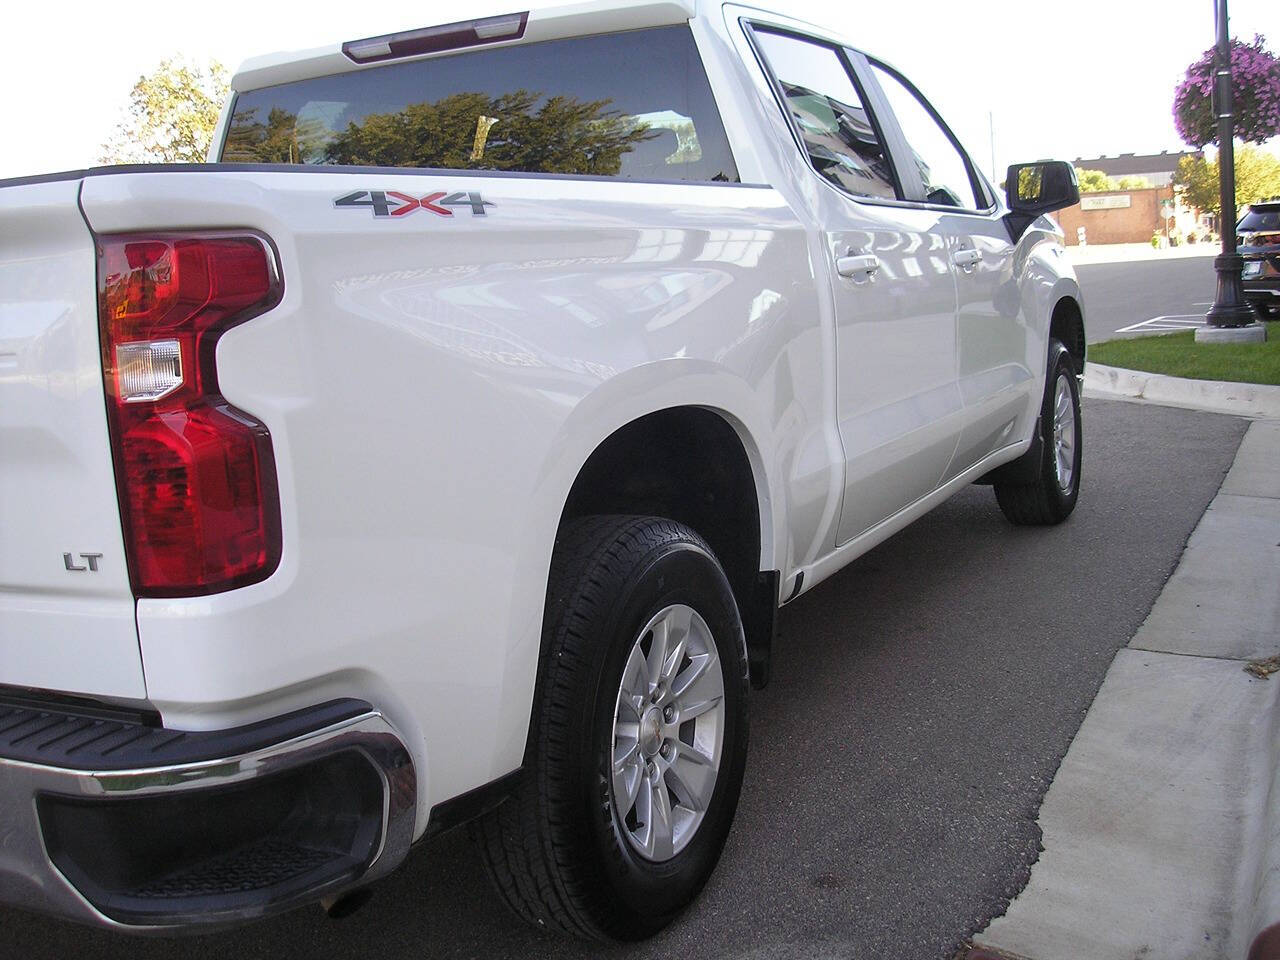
{"x": 1121, "y": 294}
{"x": 921, "y": 703}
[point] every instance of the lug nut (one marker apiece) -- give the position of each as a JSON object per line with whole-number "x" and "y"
{"x": 669, "y": 714}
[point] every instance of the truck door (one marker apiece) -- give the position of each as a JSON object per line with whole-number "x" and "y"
{"x": 898, "y": 403}
{"x": 999, "y": 357}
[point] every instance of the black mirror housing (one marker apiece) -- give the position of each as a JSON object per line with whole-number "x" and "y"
{"x": 1041, "y": 187}
{"x": 1038, "y": 188}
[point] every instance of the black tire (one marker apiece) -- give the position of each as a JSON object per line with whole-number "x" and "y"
{"x": 1048, "y": 501}
{"x": 555, "y": 850}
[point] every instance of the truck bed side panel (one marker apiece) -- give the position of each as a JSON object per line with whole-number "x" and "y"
{"x": 432, "y": 384}
{"x": 66, "y": 611}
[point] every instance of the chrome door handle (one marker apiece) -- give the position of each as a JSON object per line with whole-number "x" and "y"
{"x": 967, "y": 257}
{"x": 858, "y": 264}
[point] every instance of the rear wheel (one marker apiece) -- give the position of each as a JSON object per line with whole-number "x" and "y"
{"x": 639, "y": 735}
{"x": 1051, "y": 498}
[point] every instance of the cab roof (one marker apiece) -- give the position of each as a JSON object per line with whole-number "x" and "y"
{"x": 552, "y": 23}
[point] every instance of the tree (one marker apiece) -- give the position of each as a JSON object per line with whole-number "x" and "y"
{"x": 1093, "y": 181}
{"x": 1255, "y": 78}
{"x": 1257, "y": 178}
{"x": 1196, "y": 181}
{"x": 171, "y": 116}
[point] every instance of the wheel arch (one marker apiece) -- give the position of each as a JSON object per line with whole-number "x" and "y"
{"x": 1066, "y": 324}
{"x": 699, "y": 465}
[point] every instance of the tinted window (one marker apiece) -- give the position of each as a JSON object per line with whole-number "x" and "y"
{"x": 1266, "y": 219}
{"x": 837, "y": 131}
{"x": 941, "y": 163}
{"x": 633, "y": 105}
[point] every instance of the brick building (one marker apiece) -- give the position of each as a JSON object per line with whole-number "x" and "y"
{"x": 1131, "y": 216}
{"x": 1116, "y": 216}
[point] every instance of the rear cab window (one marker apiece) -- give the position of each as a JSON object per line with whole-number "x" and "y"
{"x": 1267, "y": 218}
{"x": 633, "y": 105}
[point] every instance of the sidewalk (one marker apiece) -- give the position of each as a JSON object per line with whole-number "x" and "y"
{"x": 1161, "y": 829}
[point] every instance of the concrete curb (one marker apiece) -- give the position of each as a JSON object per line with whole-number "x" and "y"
{"x": 1213, "y": 396}
{"x": 1256, "y": 474}
{"x": 1161, "y": 829}
{"x": 1264, "y": 922}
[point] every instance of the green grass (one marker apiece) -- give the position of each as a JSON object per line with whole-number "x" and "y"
{"x": 1178, "y": 355}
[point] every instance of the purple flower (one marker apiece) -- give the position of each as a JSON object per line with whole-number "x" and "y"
{"x": 1255, "y": 80}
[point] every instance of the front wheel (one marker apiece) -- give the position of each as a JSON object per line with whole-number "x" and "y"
{"x": 1051, "y": 498}
{"x": 639, "y": 735}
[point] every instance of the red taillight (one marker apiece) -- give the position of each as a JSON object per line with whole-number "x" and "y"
{"x": 196, "y": 477}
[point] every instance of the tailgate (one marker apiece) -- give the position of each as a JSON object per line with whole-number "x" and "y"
{"x": 67, "y": 618}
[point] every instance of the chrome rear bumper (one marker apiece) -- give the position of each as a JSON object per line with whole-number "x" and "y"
{"x": 145, "y": 829}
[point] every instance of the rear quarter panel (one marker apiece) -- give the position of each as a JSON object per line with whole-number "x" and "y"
{"x": 432, "y": 386}
{"x": 66, "y": 626}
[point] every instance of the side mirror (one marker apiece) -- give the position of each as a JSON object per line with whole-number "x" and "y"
{"x": 1038, "y": 188}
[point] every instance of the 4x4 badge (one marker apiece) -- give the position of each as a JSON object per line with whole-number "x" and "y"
{"x": 393, "y": 203}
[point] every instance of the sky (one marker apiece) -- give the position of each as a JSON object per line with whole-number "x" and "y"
{"x": 1073, "y": 79}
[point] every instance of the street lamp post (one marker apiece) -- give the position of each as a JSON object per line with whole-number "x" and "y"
{"x": 1230, "y": 309}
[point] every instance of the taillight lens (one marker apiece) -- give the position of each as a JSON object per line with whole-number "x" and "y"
{"x": 196, "y": 477}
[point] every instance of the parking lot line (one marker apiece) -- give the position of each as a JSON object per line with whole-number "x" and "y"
{"x": 1177, "y": 321}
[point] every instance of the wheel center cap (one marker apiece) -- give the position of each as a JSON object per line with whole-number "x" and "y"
{"x": 651, "y": 732}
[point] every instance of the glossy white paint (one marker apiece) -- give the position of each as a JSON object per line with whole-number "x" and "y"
{"x": 937, "y": 365}
{"x": 899, "y": 405}
{"x": 552, "y": 23}
{"x": 64, "y": 629}
{"x": 433, "y": 386}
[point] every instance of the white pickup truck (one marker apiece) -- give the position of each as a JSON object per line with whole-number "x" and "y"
{"x": 443, "y": 450}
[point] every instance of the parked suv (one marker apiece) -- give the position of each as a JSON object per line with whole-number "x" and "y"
{"x": 443, "y": 450}
{"x": 1258, "y": 241}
